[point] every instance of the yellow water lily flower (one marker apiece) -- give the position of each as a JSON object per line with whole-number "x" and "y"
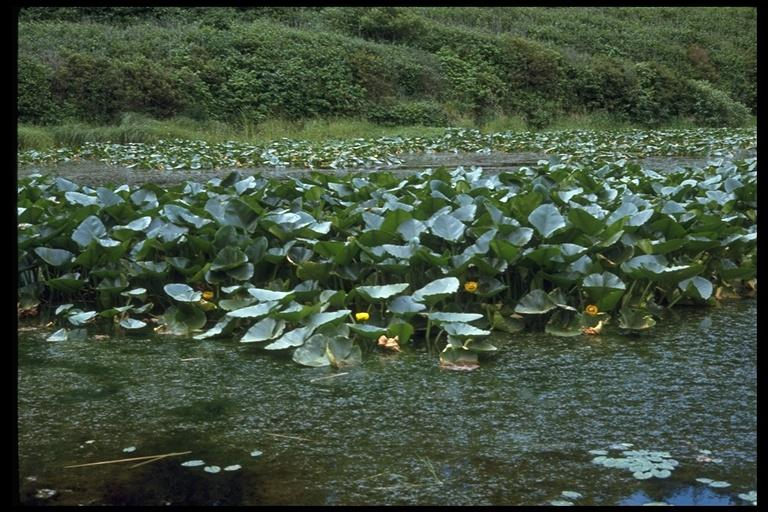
{"x": 591, "y": 310}
{"x": 470, "y": 286}
{"x": 207, "y": 295}
{"x": 362, "y": 317}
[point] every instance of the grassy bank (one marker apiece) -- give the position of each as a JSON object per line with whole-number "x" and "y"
{"x": 137, "y": 128}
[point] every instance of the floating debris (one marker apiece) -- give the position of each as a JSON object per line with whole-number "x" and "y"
{"x": 129, "y": 449}
{"x": 211, "y": 469}
{"x": 233, "y": 467}
{"x": 90, "y": 441}
{"x": 192, "y": 463}
{"x": 256, "y": 453}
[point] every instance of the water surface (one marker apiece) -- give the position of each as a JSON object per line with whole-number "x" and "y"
{"x": 398, "y": 429}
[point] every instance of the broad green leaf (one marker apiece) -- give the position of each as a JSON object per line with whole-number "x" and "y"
{"x": 448, "y": 227}
{"x": 182, "y": 292}
{"x": 547, "y": 220}
{"x": 263, "y": 330}
{"x": 436, "y": 290}
{"x": 55, "y": 257}
{"x": 536, "y": 302}
{"x": 229, "y": 258}
{"x": 697, "y": 287}
{"x": 461, "y": 330}
{"x": 89, "y": 230}
{"x": 379, "y": 293}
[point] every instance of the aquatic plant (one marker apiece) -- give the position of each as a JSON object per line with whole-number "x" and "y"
{"x": 283, "y": 264}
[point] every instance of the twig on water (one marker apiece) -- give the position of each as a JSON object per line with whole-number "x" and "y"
{"x": 128, "y": 460}
{"x": 432, "y": 470}
{"x": 287, "y": 437}
{"x": 329, "y": 376}
{"x": 148, "y": 461}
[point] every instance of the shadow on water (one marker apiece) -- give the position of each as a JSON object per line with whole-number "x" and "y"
{"x": 396, "y": 430}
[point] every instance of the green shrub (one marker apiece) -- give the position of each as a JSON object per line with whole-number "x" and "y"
{"x": 35, "y": 100}
{"x": 714, "y": 107}
{"x": 408, "y": 113}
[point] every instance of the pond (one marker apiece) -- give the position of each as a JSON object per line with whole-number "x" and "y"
{"x": 398, "y": 429}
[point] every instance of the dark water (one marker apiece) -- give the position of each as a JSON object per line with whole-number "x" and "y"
{"x": 398, "y": 429}
{"x": 94, "y": 173}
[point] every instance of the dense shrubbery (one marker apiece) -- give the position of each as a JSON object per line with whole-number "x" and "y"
{"x": 244, "y": 65}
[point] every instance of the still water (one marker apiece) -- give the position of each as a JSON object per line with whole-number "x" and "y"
{"x": 398, "y": 429}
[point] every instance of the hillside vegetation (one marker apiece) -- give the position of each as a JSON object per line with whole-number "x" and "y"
{"x": 387, "y": 65}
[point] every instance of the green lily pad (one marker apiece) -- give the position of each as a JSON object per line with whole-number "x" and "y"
{"x": 379, "y": 293}
{"x": 405, "y": 305}
{"x": 312, "y": 352}
{"x": 182, "y": 292}
{"x": 536, "y": 302}
{"x": 439, "y": 317}
{"x": 436, "y": 290}
{"x": 263, "y": 330}
{"x": 132, "y": 324}
{"x": 55, "y": 257}
{"x": 547, "y": 220}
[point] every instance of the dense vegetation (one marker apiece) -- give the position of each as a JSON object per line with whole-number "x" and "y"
{"x": 398, "y": 66}
{"x": 324, "y": 265}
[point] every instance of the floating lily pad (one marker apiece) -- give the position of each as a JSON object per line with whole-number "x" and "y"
{"x": 211, "y": 469}
{"x": 598, "y": 452}
{"x": 719, "y": 484}
{"x": 129, "y": 449}
{"x": 560, "y": 503}
{"x": 193, "y": 463}
{"x": 233, "y": 467}
{"x": 572, "y": 495}
{"x": 256, "y": 453}
{"x": 705, "y": 480}
{"x": 750, "y": 496}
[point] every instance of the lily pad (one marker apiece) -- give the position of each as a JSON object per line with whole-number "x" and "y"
{"x": 182, "y": 292}
{"x": 436, "y": 290}
{"x": 212, "y": 469}
{"x": 379, "y": 293}
{"x": 193, "y": 463}
{"x": 233, "y": 467}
